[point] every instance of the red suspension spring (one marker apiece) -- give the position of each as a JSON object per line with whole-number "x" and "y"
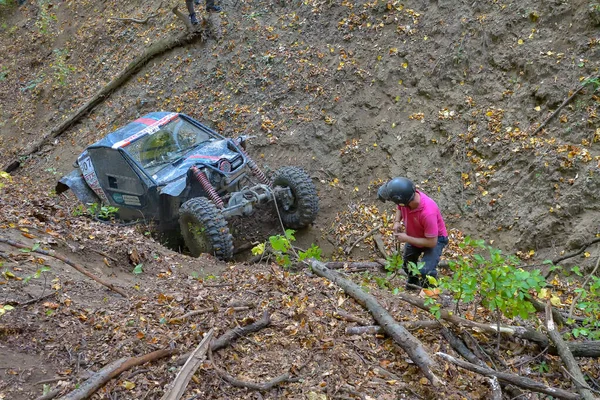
{"x": 208, "y": 188}
{"x": 255, "y": 170}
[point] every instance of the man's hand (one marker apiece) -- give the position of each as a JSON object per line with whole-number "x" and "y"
{"x": 397, "y": 227}
{"x": 401, "y": 237}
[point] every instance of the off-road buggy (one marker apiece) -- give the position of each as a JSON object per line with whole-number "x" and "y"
{"x": 172, "y": 169}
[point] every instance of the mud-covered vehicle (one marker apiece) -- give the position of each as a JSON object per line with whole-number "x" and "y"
{"x": 172, "y": 169}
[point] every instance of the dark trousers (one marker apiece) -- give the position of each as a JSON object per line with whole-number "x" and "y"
{"x": 190, "y": 5}
{"x": 431, "y": 258}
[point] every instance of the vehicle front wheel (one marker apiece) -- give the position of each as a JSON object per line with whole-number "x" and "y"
{"x": 301, "y": 209}
{"x": 204, "y": 229}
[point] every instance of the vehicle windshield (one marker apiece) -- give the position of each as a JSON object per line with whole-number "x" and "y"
{"x": 166, "y": 145}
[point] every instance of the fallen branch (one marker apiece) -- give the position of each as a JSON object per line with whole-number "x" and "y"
{"x": 516, "y": 380}
{"x": 380, "y": 246}
{"x": 100, "y": 378}
{"x": 355, "y": 265}
{"x": 579, "y": 349}
{"x": 411, "y": 345}
{"x": 564, "y": 103}
{"x": 343, "y": 315}
{"x": 151, "y": 52}
{"x": 52, "y": 253}
{"x": 229, "y": 336}
{"x": 135, "y": 20}
{"x": 190, "y": 314}
{"x": 51, "y": 394}
{"x": 461, "y": 348}
{"x": 348, "y": 249}
{"x": 139, "y": 21}
{"x": 28, "y": 302}
{"x": 359, "y": 330}
{"x": 576, "y": 253}
{"x": 567, "y": 356}
{"x": 179, "y": 385}
{"x": 261, "y": 387}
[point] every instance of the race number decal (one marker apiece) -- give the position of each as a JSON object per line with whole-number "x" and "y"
{"x": 89, "y": 174}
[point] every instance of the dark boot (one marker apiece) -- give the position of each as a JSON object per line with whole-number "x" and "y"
{"x": 413, "y": 283}
{"x": 193, "y": 19}
{"x": 210, "y": 6}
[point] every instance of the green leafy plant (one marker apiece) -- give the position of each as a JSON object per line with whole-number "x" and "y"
{"x": 283, "y": 251}
{"x": 594, "y": 82}
{"x": 45, "y": 17}
{"x": 588, "y": 304}
{"x": 281, "y": 245}
{"x": 542, "y": 367}
{"x": 138, "y": 269}
{"x": 5, "y": 308}
{"x": 95, "y": 210}
{"x": 32, "y": 84}
{"x": 29, "y": 250}
{"x": 4, "y": 178}
{"x": 37, "y": 273}
{"x": 313, "y": 251}
{"x": 495, "y": 281}
{"x": 60, "y": 67}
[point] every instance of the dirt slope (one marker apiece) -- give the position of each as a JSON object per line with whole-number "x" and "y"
{"x": 447, "y": 93}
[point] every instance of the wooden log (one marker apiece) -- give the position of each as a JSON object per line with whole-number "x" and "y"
{"x": 567, "y": 357}
{"x": 112, "y": 370}
{"x": 179, "y": 385}
{"x": 516, "y": 380}
{"x": 411, "y": 345}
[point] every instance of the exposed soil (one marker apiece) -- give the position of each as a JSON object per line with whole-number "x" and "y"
{"x": 448, "y": 93}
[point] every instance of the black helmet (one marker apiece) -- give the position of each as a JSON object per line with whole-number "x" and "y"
{"x": 399, "y": 190}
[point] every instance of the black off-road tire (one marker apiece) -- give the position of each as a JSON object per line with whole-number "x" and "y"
{"x": 204, "y": 229}
{"x": 306, "y": 203}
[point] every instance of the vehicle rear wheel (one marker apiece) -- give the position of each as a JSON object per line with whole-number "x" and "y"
{"x": 204, "y": 229}
{"x": 301, "y": 210}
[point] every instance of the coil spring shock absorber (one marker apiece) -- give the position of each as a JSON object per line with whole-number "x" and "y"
{"x": 254, "y": 168}
{"x": 208, "y": 188}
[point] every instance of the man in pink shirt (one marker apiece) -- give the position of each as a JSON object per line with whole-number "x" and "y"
{"x": 425, "y": 232}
